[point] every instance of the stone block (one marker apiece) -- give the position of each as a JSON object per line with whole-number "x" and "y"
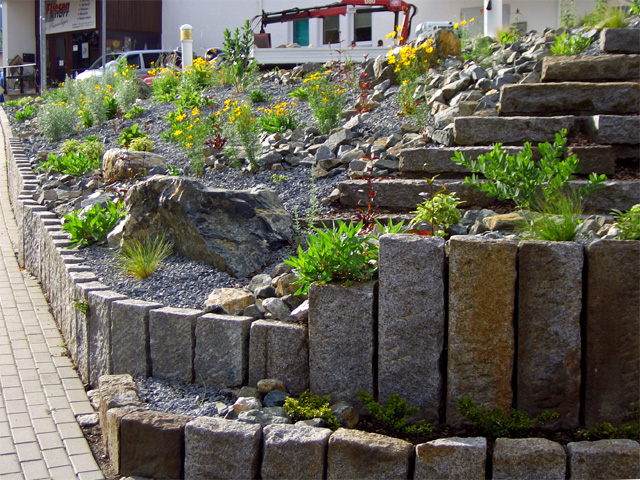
{"x": 411, "y": 320}
{"x": 171, "y": 342}
{"x": 99, "y": 332}
{"x": 482, "y": 276}
{"x": 526, "y": 458}
{"x": 65, "y": 311}
{"x": 222, "y": 350}
{"x": 601, "y": 68}
{"x": 363, "y": 455}
{"x": 294, "y": 451}
{"x": 612, "y": 377}
{"x": 342, "y": 331}
{"x": 479, "y": 130}
{"x": 549, "y": 345}
{"x": 218, "y": 448}
{"x": 620, "y": 40}
{"x": 152, "y": 444}
{"x": 595, "y": 158}
{"x": 111, "y": 439}
{"x": 279, "y": 350}
{"x": 613, "y": 129}
{"x": 451, "y": 459}
{"x": 570, "y": 98}
{"x": 604, "y": 459}
{"x": 130, "y": 336}
{"x": 619, "y": 194}
{"x": 116, "y": 391}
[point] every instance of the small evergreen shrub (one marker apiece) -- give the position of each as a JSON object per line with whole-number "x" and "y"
{"x": 393, "y": 414}
{"x": 605, "y": 431}
{"x": 310, "y": 406}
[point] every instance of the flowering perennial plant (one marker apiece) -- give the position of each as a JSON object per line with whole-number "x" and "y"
{"x": 242, "y": 129}
{"x": 326, "y": 100}
{"x": 278, "y": 118}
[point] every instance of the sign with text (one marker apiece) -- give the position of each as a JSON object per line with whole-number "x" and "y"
{"x": 70, "y": 15}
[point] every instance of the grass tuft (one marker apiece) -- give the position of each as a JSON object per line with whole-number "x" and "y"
{"x": 141, "y": 258}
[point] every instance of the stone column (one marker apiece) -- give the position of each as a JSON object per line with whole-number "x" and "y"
{"x": 342, "y": 331}
{"x": 411, "y": 320}
{"x": 482, "y": 276}
{"x": 549, "y": 306}
{"x": 612, "y": 377}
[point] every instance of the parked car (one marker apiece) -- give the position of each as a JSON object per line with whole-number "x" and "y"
{"x": 142, "y": 60}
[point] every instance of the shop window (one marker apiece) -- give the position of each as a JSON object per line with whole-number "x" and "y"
{"x": 331, "y": 30}
{"x": 362, "y": 26}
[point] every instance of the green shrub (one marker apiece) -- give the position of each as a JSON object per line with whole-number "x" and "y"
{"x": 129, "y": 133}
{"x": 326, "y": 100}
{"x": 300, "y": 93}
{"x": 18, "y": 102}
{"x": 242, "y": 128}
{"x": 340, "y": 253}
{"x": 141, "y": 144}
{"x": 634, "y": 7}
{"x": 439, "y": 210}
{"x": 258, "y": 96}
{"x": 141, "y": 258}
{"x": 498, "y": 423}
{"x": 606, "y": 431}
{"x": 94, "y": 224}
{"x": 393, "y": 414}
{"x": 605, "y": 16}
{"x": 278, "y": 118}
{"x": 134, "y": 112}
{"x": 519, "y": 178}
{"x": 56, "y": 120}
{"x": 72, "y": 163}
{"x": 91, "y": 147}
{"x": 165, "y": 84}
{"x": 569, "y": 44}
{"x": 628, "y": 223}
{"x": 310, "y": 406}
{"x": 27, "y": 112}
{"x": 239, "y": 68}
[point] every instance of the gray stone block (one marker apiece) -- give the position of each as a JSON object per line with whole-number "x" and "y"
{"x": 613, "y": 129}
{"x": 171, "y": 342}
{"x": 363, "y": 455}
{"x": 222, "y": 350}
{"x": 618, "y": 194}
{"x": 65, "y": 310}
{"x": 116, "y": 391}
{"x": 620, "y": 40}
{"x": 549, "y": 348}
{"x": 482, "y": 275}
{"x": 451, "y": 459}
{"x": 217, "y": 448}
{"x": 342, "y": 340}
{"x": 411, "y": 320}
{"x": 612, "y": 377}
{"x": 479, "y": 130}
{"x": 279, "y": 350}
{"x": 294, "y": 451}
{"x": 99, "y": 332}
{"x": 527, "y": 458}
{"x": 604, "y": 459}
{"x": 601, "y": 68}
{"x": 130, "y": 336}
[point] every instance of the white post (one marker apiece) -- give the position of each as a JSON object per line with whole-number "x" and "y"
{"x": 43, "y": 48}
{"x": 186, "y": 39}
{"x": 493, "y": 21}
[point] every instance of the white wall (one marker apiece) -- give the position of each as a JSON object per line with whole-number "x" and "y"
{"x": 18, "y": 28}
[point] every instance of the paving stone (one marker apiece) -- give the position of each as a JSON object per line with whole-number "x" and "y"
{"x": 411, "y": 320}
{"x": 451, "y": 458}
{"x": 222, "y": 350}
{"x": 604, "y": 459}
{"x": 218, "y": 448}
{"x": 279, "y": 350}
{"x": 363, "y": 455}
{"x": 526, "y": 458}
{"x": 292, "y": 451}
{"x": 482, "y": 275}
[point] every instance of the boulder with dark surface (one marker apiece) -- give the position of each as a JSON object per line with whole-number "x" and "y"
{"x": 232, "y": 230}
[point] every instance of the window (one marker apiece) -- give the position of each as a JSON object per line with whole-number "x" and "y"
{"x": 362, "y": 31}
{"x": 151, "y": 60}
{"x": 301, "y": 32}
{"x": 331, "y": 30}
{"x": 133, "y": 60}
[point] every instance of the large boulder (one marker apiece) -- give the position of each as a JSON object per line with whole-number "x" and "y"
{"x": 232, "y": 230}
{"x": 123, "y": 164}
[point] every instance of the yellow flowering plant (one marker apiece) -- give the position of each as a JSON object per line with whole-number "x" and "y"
{"x": 278, "y": 118}
{"x": 326, "y": 100}
{"x": 241, "y": 127}
{"x": 165, "y": 84}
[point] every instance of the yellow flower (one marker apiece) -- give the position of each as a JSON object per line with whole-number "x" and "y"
{"x": 190, "y": 137}
{"x": 188, "y": 144}
{"x": 456, "y": 26}
{"x": 97, "y": 87}
{"x": 195, "y": 111}
{"x": 181, "y": 117}
{"x": 80, "y": 112}
{"x": 463, "y": 23}
{"x": 390, "y": 35}
{"x": 177, "y": 133}
{"x": 472, "y": 19}
{"x": 398, "y": 28}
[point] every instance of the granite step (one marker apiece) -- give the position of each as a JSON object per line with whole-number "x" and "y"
{"x": 570, "y": 98}
{"x": 592, "y": 68}
{"x": 620, "y": 40}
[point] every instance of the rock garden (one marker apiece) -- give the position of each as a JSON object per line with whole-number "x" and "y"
{"x": 428, "y": 236}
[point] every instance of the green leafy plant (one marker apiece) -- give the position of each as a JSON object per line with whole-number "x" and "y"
{"x": 277, "y": 178}
{"x": 141, "y": 258}
{"x": 258, "y": 96}
{"x": 519, "y": 178}
{"x": 242, "y": 129}
{"x": 558, "y": 220}
{"x": 605, "y": 16}
{"x": 498, "y": 423}
{"x": 340, "y": 253}
{"x": 605, "y": 431}
{"x": 628, "y": 223}
{"x": 508, "y": 36}
{"x": 18, "y": 102}
{"x": 94, "y": 224}
{"x": 300, "y": 93}
{"x": 439, "y": 210}
{"x": 135, "y": 112}
{"x": 91, "y": 147}
{"x": 141, "y": 144}
{"x": 165, "y": 84}
{"x": 72, "y": 163}
{"x": 239, "y": 68}
{"x": 173, "y": 170}
{"x": 310, "y": 406}
{"x": 27, "y": 112}
{"x": 481, "y": 51}
{"x": 567, "y": 13}
{"x": 129, "y": 133}
{"x": 278, "y": 118}
{"x": 634, "y": 7}
{"x": 393, "y": 414}
{"x": 570, "y": 44}
{"x": 326, "y": 100}
{"x": 81, "y": 306}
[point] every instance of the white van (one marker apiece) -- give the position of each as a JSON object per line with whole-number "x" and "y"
{"x": 142, "y": 60}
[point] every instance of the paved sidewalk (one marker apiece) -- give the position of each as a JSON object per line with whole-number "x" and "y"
{"x": 40, "y": 393}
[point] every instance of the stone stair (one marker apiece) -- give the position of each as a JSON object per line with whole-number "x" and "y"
{"x": 595, "y": 98}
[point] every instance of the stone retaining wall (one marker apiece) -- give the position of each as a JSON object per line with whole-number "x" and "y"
{"x": 528, "y": 326}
